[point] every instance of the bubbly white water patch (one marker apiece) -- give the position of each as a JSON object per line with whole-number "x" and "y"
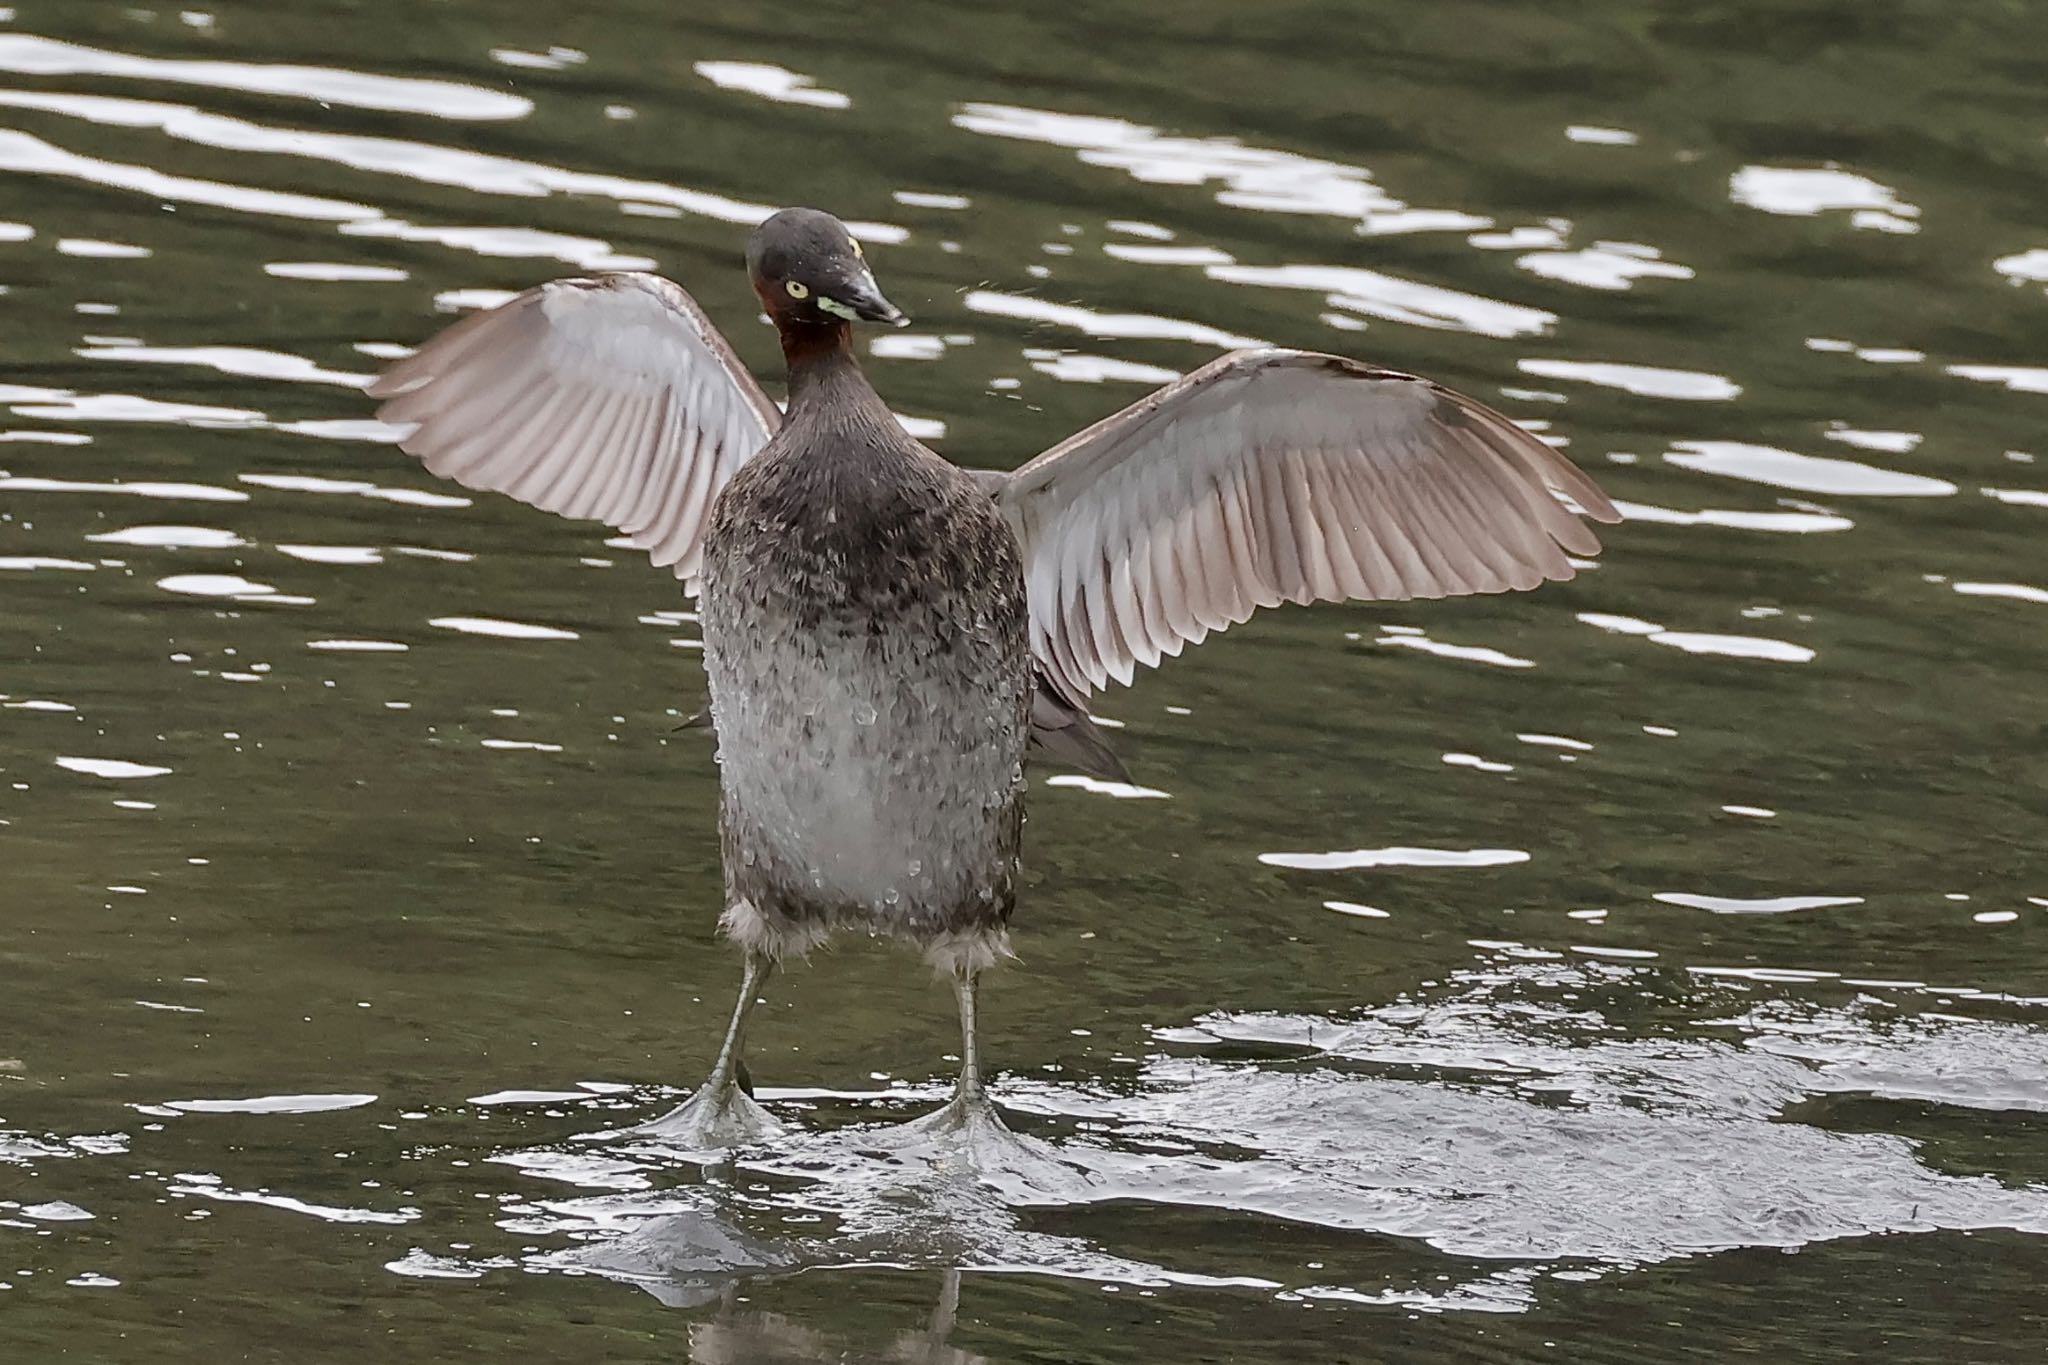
{"x": 56, "y": 1211}
{"x": 1576, "y": 1141}
{"x": 339, "y": 646}
{"x": 204, "y": 1186}
{"x": 1396, "y": 857}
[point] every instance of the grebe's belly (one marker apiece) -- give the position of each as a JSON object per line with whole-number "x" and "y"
{"x": 869, "y": 774}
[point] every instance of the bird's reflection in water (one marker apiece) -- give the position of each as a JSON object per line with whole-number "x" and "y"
{"x": 742, "y": 1337}
{"x": 701, "y": 1257}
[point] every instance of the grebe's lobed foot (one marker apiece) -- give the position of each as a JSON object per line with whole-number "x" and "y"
{"x": 719, "y": 1116}
{"x": 966, "y": 1136}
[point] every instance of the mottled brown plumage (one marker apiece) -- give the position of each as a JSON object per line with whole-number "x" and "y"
{"x": 884, "y": 632}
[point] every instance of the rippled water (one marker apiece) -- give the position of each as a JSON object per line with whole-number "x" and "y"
{"x": 1490, "y": 980}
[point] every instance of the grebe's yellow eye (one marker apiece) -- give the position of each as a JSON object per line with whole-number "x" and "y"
{"x": 855, "y": 242}
{"x": 798, "y": 289}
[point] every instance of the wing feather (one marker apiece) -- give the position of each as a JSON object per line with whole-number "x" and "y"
{"x": 1272, "y": 476}
{"x": 612, "y": 398}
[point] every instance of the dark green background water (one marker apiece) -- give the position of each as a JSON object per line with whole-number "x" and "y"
{"x": 303, "y": 1002}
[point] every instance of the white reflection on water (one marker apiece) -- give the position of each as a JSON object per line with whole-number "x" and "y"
{"x": 1804, "y": 473}
{"x": 228, "y": 585}
{"x": 128, "y": 407}
{"x": 1734, "y": 646}
{"x": 1251, "y": 177}
{"x": 190, "y": 492}
{"x": 1796, "y": 523}
{"x": 2018, "y": 592}
{"x": 1396, "y": 857}
{"x": 241, "y": 361}
{"x": 423, "y": 162}
{"x": 1130, "y": 325}
{"x": 2018, "y": 378}
{"x": 203, "y": 1185}
{"x": 585, "y": 253}
{"x": 93, "y": 249}
{"x": 1358, "y": 290}
{"x": 1411, "y": 638}
{"x": 171, "y": 537}
{"x": 505, "y": 630}
{"x": 1606, "y": 137}
{"x": 1645, "y": 380}
{"x": 1700, "y": 642}
{"x": 1805, "y": 191}
{"x": 2030, "y": 266}
{"x": 32, "y": 156}
{"x": 314, "y": 483}
{"x": 1754, "y": 905}
{"x": 338, "y": 272}
{"x": 120, "y": 769}
{"x": 771, "y": 83}
{"x": 28, "y": 563}
{"x": 272, "y": 1104}
{"x": 1889, "y": 442}
{"x": 28, "y": 55}
{"x": 1075, "y": 367}
{"x": 1604, "y": 265}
